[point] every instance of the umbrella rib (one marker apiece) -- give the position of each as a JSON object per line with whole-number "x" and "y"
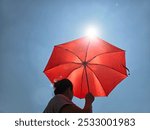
{"x": 72, "y": 71}
{"x": 107, "y": 67}
{"x": 103, "y": 54}
{"x": 97, "y": 79}
{"x": 62, "y": 64}
{"x": 70, "y": 52}
{"x": 82, "y": 81}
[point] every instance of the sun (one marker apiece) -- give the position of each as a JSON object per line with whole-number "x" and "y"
{"x": 91, "y": 32}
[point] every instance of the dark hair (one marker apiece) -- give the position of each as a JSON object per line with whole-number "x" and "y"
{"x": 62, "y": 85}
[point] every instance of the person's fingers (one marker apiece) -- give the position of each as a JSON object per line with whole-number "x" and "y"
{"x": 90, "y": 95}
{"x": 89, "y": 98}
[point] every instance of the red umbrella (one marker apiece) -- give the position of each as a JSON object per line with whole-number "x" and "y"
{"x": 93, "y": 65}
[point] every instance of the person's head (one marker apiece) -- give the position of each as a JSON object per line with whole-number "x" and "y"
{"x": 64, "y": 87}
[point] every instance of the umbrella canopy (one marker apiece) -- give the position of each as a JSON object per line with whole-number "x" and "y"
{"x": 92, "y": 65}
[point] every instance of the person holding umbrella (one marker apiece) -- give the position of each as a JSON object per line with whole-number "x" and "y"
{"x": 93, "y": 66}
{"x": 62, "y": 101}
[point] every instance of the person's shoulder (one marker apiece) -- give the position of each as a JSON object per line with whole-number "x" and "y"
{"x": 59, "y": 98}
{"x": 71, "y": 108}
{"x": 54, "y": 103}
{"x": 58, "y": 102}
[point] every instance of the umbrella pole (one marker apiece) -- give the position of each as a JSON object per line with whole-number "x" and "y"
{"x": 87, "y": 79}
{"x": 85, "y": 65}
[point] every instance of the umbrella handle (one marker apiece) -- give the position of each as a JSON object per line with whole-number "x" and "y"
{"x": 127, "y": 69}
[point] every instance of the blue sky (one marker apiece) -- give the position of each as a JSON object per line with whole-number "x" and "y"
{"x": 30, "y": 28}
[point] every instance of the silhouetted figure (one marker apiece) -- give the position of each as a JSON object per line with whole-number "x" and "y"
{"x": 62, "y": 101}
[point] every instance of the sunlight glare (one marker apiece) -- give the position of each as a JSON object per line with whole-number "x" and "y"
{"x": 91, "y": 32}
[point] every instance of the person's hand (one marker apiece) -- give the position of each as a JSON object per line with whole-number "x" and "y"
{"x": 89, "y": 98}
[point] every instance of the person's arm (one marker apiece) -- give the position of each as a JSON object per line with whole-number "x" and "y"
{"x": 71, "y": 108}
